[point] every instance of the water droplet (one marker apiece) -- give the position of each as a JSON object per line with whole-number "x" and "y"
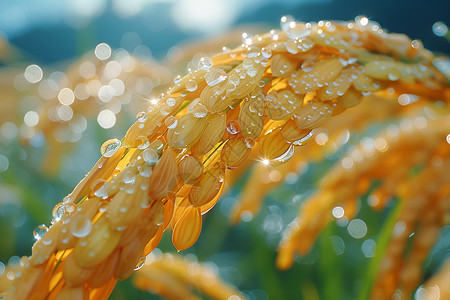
{"x": 308, "y": 65}
{"x": 145, "y": 171}
{"x": 251, "y": 71}
{"x": 159, "y": 219}
{"x": 103, "y": 206}
{"x": 150, "y": 156}
{"x": 233, "y": 79}
{"x": 247, "y": 63}
{"x": 97, "y": 184}
{"x": 271, "y": 96}
{"x": 141, "y": 117}
{"x": 171, "y": 102}
{"x": 39, "y": 231}
{"x": 394, "y": 75}
{"x": 191, "y": 85}
{"x": 262, "y": 83}
{"x": 140, "y": 264}
{"x": 416, "y": 44}
{"x": 199, "y": 110}
{"x": 286, "y": 155}
{"x": 129, "y": 177}
{"x": 341, "y": 90}
{"x": 234, "y": 127}
{"x": 70, "y": 207}
{"x": 58, "y": 211}
{"x": 254, "y": 52}
{"x": 47, "y": 240}
{"x": 304, "y": 139}
{"x": 141, "y": 142}
{"x": 177, "y": 79}
{"x": 67, "y": 200}
{"x": 266, "y": 52}
{"x": 296, "y": 32}
{"x": 215, "y": 76}
{"x": 110, "y": 147}
{"x": 102, "y": 191}
{"x": 164, "y": 109}
{"x": 171, "y": 122}
{"x": 205, "y": 63}
{"x": 157, "y": 145}
{"x": 253, "y": 107}
{"x": 250, "y": 142}
{"x": 80, "y": 226}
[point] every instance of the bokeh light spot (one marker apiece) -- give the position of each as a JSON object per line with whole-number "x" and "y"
{"x": 33, "y": 73}
{"x": 357, "y": 228}
{"x": 31, "y": 118}
{"x": 102, "y": 51}
{"x": 4, "y": 163}
{"x": 106, "y": 119}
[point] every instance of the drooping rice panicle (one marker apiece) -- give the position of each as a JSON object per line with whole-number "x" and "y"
{"x": 247, "y": 102}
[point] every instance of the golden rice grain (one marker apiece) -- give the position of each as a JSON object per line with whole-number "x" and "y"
{"x": 336, "y": 88}
{"x": 313, "y": 114}
{"x": 212, "y": 134}
{"x": 164, "y": 176}
{"x": 350, "y": 99}
{"x": 187, "y": 229}
{"x": 294, "y": 135}
{"x": 98, "y": 245}
{"x": 104, "y": 271}
{"x": 282, "y": 65}
{"x": 324, "y": 71}
{"x": 250, "y": 118}
{"x": 272, "y": 146}
{"x": 208, "y": 187}
{"x": 123, "y": 210}
{"x": 234, "y": 152}
{"x": 187, "y": 131}
{"x": 282, "y": 104}
{"x": 73, "y": 274}
{"x": 190, "y": 169}
{"x": 131, "y": 254}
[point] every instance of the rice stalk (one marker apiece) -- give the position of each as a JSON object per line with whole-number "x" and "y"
{"x": 264, "y": 94}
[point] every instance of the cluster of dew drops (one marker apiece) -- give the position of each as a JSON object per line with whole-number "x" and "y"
{"x": 81, "y": 225}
